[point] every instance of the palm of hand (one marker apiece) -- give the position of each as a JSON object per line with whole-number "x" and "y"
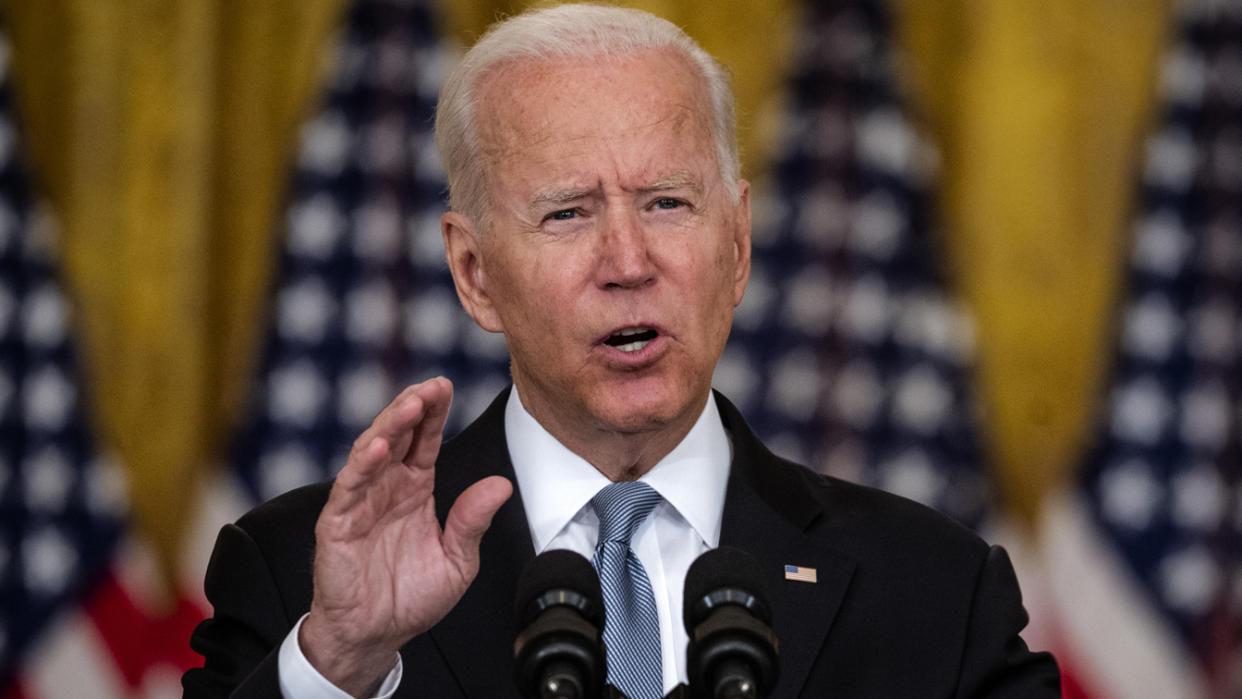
{"x": 385, "y": 571}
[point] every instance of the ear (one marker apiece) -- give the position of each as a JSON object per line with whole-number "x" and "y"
{"x": 741, "y": 241}
{"x": 463, "y": 249}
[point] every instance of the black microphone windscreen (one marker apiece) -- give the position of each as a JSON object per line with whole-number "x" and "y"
{"x": 558, "y": 570}
{"x": 733, "y": 571}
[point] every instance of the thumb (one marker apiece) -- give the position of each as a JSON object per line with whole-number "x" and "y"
{"x": 470, "y": 517}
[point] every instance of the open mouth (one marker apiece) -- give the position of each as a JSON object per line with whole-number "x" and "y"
{"x": 631, "y": 339}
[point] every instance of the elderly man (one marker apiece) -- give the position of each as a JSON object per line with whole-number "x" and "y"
{"x": 599, "y": 222}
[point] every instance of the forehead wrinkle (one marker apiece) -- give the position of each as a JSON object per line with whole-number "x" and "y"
{"x": 530, "y": 126}
{"x": 530, "y": 136}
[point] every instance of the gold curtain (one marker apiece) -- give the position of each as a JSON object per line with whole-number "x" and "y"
{"x": 1039, "y": 108}
{"x": 161, "y": 132}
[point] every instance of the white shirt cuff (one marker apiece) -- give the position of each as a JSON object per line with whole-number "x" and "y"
{"x": 300, "y": 680}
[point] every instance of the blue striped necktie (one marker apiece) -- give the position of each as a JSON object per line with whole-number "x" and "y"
{"x": 632, "y": 627}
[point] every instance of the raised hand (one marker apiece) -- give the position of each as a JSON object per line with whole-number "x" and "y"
{"x": 384, "y": 570}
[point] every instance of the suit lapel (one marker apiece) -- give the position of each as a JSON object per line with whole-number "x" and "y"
{"x": 769, "y": 511}
{"x": 476, "y": 638}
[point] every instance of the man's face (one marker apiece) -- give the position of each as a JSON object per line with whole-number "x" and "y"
{"x": 615, "y": 254}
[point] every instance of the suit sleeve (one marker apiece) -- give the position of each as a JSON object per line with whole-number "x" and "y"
{"x": 996, "y": 662}
{"x": 240, "y": 643}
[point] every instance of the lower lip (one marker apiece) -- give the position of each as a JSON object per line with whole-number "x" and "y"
{"x": 637, "y": 359}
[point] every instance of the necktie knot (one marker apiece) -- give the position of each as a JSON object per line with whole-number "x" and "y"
{"x": 621, "y": 508}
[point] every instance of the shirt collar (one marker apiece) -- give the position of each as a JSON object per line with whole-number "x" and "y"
{"x": 555, "y": 483}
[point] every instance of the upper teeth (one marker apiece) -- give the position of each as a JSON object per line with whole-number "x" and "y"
{"x": 633, "y": 346}
{"x": 636, "y": 344}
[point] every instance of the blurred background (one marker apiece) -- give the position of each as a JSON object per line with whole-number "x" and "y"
{"x": 998, "y": 269}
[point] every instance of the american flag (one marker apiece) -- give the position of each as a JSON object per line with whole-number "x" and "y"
{"x": 364, "y": 304}
{"x": 80, "y": 609}
{"x": 1146, "y": 559}
{"x": 61, "y": 504}
{"x": 801, "y": 574}
{"x": 848, "y": 352}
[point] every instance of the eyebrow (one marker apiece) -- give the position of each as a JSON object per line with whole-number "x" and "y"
{"x": 560, "y": 196}
{"x": 676, "y": 180}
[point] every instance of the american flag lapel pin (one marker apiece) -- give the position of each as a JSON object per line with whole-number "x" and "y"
{"x": 801, "y": 574}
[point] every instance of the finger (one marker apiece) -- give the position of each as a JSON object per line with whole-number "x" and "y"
{"x": 470, "y": 517}
{"x": 396, "y": 422}
{"x": 391, "y": 435}
{"x": 437, "y": 397}
{"x": 363, "y": 466}
{"x": 359, "y": 472}
{"x": 381, "y": 423}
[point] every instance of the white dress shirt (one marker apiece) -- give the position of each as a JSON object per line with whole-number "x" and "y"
{"x": 556, "y": 487}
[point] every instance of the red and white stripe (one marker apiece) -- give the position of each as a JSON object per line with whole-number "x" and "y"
{"x": 126, "y": 641}
{"x": 1089, "y": 610}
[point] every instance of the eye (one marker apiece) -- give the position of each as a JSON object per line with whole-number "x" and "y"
{"x": 667, "y": 203}
{"x": 562, "y": 215}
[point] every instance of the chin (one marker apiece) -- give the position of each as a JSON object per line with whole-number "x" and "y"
{"x": 642, "y": 409}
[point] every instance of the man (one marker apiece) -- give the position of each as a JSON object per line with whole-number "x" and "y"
{"x": 599, "y": 222}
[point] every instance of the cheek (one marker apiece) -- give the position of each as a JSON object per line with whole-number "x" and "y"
{"x": 723, "y": 283}
{"x": 721, "y": 268}
{"x": 530, "y": 298}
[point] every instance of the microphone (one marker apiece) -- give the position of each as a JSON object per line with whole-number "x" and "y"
{"x": 559, "y": 654}
{"x": 733, "y": 653}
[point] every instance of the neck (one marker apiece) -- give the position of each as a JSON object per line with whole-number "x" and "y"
{"x": 619, "y": 454}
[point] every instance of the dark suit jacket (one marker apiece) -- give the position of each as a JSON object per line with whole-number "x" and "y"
{"x": 908, "y": 604}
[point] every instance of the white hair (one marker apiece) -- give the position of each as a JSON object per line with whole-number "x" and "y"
{"x": 566, "y": 31}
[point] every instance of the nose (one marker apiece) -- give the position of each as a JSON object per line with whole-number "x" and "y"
{"x": 625, "y": 257}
